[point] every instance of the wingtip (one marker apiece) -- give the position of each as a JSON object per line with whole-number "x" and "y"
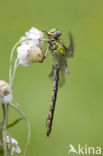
{"x": 71, "y": 43}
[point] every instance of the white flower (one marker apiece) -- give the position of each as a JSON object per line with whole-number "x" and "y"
{"x": 22, "y": 52}
{"x": 29, "y": 51}
{"x": 12, "y": 145}
{"x": 28, "y": 55}
{"x": 34, "y": 55}
{"x": 34, "y": 33}
{"x": 5, "y": 92}
{"x": 35, "y": 37}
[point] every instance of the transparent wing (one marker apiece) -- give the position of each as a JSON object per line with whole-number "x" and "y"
{"x": 70, "y": 49}
{"x": 61, "y": 78}
{"x": 62, "y": 65}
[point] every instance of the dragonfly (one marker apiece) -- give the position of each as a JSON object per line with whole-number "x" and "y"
{"x": 60, "y": 53}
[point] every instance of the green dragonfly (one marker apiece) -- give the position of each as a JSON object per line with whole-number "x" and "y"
{"x": 60, "y": 52}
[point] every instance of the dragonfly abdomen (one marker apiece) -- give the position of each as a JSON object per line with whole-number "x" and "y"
{"x": 53, "y": 101}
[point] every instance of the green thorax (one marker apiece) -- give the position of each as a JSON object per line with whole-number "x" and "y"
{"x": 57, "y": 47}
{"x": 58, "y": 50}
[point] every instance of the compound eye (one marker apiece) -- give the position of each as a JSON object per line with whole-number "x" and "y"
{"x": 57, "y": 34}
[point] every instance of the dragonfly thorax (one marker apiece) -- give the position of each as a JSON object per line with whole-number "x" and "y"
{"x": 57, "y": 47}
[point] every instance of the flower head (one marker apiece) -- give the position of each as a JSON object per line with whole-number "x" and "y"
{"x": 34, "y": 37}
{"x": 5, "y": 92}
{"x": 35, "y": 54}
{"x": 29, "y": 51}
{"x": 12, "y": 145}
{"x": 34, "y": 33}
{"x": 28, "y": 55}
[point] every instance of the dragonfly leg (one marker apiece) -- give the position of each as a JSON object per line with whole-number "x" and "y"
{"x": 45, "y": 32}
{"x": 44, "y": 54}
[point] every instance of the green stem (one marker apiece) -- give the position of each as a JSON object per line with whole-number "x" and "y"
{"x": 16, "y": 65}
{"x": 4, "y": 130}
{"x": 11, "y": 58}
{"x": 27, "y": 122}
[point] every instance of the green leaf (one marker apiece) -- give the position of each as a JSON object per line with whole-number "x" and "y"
{"x": 14, "y": 123}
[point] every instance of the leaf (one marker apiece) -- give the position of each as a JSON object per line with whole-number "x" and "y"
{"x": 14, "y": 123}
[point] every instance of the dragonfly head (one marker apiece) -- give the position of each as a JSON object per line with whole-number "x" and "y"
{"x": 53, "y": 33}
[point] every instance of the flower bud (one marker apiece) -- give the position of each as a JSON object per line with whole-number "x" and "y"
{"x": 29, "y": 51}
{"x": 5, "y": 92}
{"x": 34, "y": 55}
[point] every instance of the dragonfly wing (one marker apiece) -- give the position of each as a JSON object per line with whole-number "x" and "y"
{"x": 63, "y": 65}
{"x": 70, "y": 49}
{"x": 61, "y": 78}
{"x": 64, "y": 68}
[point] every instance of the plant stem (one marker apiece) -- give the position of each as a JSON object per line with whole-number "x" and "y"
{"x": 11, "y": 57}
{"x": 27, "y": 122}
{"x": 4, "y": 130}
{"x": 16, "y": 65}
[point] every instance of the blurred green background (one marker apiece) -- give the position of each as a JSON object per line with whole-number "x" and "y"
{"x": 79, "y": 108}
